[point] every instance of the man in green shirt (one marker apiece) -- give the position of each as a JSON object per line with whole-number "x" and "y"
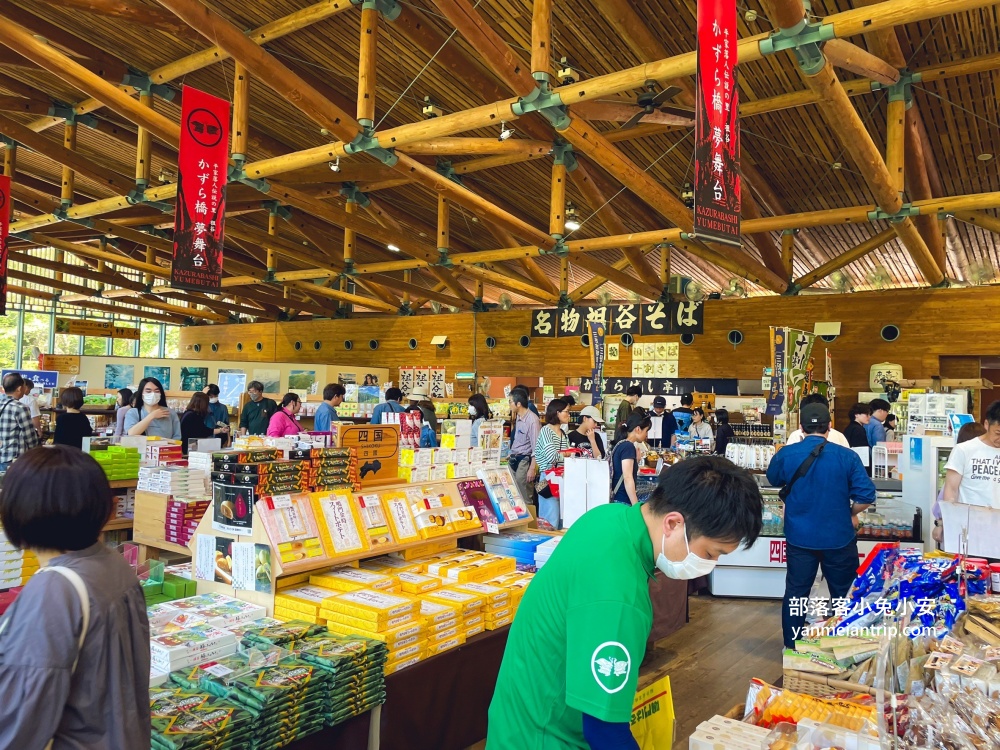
{"x": 258, "y": 411}
{"x": 571, "y": 666}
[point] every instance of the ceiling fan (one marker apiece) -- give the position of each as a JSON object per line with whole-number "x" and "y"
{"x": 651, "y": 101}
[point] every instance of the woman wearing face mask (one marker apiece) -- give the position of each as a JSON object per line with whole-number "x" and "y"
{"x": 123, "y": 402}
{"x": 283, "y": 422}
{"x": 551, "y": 440}
{"x": 150, "y": 415}
{"x": 218, "y": 413}
{"x": 581, "y": 629}
{"x": 625, "y": 458}
{"x": 479, "y": 411}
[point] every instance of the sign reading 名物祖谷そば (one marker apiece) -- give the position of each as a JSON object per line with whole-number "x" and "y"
{"x": 653, "y": 319}
{"x": 717, "y": 129}
{"x": 203, "y": 170}
{"x": 100, "y": 328}
{"x": 4, "y": 229}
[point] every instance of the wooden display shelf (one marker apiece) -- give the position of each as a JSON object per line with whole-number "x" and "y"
{"x": 117, "y": 524}
{"x": 148, "y": 526}
{"x": 124, "y": 484}
{"x": 151, "y": 547}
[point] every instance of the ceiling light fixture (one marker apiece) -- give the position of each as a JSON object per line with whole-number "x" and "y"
{"x": 393, "y": 248}
{"x": 750, "y": 16}
{"x": 572, "y": 220}
{"x": 335, "y": 165}
{"x": 505, "y": 132}
{"x": 566, "y": 74}
{"x": 430, "y": 109}
{"x": 985, "y": 157}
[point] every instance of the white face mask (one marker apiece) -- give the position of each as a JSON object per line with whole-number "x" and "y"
{"x": 213, "y": 401}
{"x": 472, "y": 411}
{"x": 150, "y": 399}
{"x": 690, "y": 567}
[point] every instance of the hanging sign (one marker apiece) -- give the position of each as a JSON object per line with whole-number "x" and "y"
{"x": 203, "y": 170}
{"x": 799, "y": 365}
{"x": 776, "y": 392}
{"x": 64, "y": 364}
{"x": 406, "y": 380}
{"x": 717, "y": 129}
{"x": 437, "y": 383}
{"x": 101, "y": 328}
{"x": 4, "y": 229}
{"x": 598, "y": 331}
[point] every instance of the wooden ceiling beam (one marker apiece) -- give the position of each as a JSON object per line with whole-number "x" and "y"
{"x": 979, "y": 219}
{"x": 530, "y": 265}
{"x": 355, "y": 299}
{"x": 504, "y": 282}
{"x": 420, "y": 302}
{"x": 125, "y": 10}
{"x": 120, "y": 308}
{"x": 844, "y": 54}
{"x": 475, "y": 146}
{"x": 846, "y": 258}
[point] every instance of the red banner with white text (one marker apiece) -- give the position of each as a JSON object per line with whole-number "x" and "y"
{"x": 202, "y": 173}
{"x": 5, "y": 206}
{"x": 717, "y": 127}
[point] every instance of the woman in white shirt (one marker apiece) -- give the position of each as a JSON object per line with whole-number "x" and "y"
{"x": 699, "y": 427}
{"x": 479, "y": 411}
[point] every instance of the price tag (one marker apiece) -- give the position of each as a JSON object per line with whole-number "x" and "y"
{"x": 492, "y": 528}
{"x": 216, "y": 669}
{"x": 281, "y": 501}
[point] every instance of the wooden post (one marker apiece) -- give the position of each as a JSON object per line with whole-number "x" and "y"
{"x": 241, "y": 111}
{"x": 366, "y": 64}
{"x": 103, "y": 244}
{"x": 541, "y": 39}
{"x": 407, "y": 279}
{"x": 788, "y": 251}
{"x": 894, "y": 142}
{"x": 443, "y": 224}
{"x": 557, "y": 200}
{"x": 272, "y": 230}
{"x": 68, "y": 179}
{"x": 665, "y": 266}
{"x": 479, "y": 289}
{"x": 350, "y": 236}
{"x": 563, "y": 277}
{"x": 10, "y": 169}
{"x": 143, "y": 146}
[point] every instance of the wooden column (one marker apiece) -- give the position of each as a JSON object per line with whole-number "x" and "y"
{"x": 272, "y": 230}
{"x": 10, "y": 169}
{"x": 541, "y": 39}
{"x": 479, "y": 289}
{"x": 68, "y": 178}
{"x": 407, "y": 279}
{"x": 895, "y": 138}
{"x": 444, "y": 224}
{"x": 241, "y": 111}
{"x": 143, "y": 146}
{"x": 557, "y": 200}
{"x": 563, "y": 277}
{"x": 665, "y": 265}
{"x": 366, "y": 64}
{"x": 788, "y": 252}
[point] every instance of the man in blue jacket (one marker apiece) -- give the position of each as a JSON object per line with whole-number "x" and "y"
{"x": 827, "y": 487}
{"x": 391, "y": 405}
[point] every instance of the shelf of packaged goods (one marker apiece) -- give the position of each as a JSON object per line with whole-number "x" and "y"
{"x": 124, "y": 484}
{"x": 157, "y": 544}
{"x": 116, "y": 524}
{"x": 308, "y": 566}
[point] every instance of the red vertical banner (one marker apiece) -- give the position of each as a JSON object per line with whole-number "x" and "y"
{"x": 202, "y": 173}
{"x": 5, "y": 206}
{"x": 717, "y": 127}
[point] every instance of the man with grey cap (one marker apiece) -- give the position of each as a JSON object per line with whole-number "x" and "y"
{"x": 824, "y": 487}
{"x": 589, "y": 436}
{"x": 665, "y": 431}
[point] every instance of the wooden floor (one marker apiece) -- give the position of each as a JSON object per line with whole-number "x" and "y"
{"x": 711, "y": 659}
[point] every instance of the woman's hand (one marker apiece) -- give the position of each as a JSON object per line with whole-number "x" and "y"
{"x": 160, "y": 412}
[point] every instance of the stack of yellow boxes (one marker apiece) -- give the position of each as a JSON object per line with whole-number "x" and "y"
{"x": 345, "y": 580}
{"x": 497, "y": 610}
{"x": 393, "y": 618}
{"x": 302, "y": 603}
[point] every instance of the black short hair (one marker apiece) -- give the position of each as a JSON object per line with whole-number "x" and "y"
{"x": 992, "y": 413}
{"x": 71, "y": 398}
{"x": 255, "y": 385}
{"x": 717, "y": 498}
{"x": 634, "y": 390}
{"x": 333, "y": 390}
{"x": 814, "y": 398}
{"x": 128, "y": 397}
{"x": 55, "y": 498}
{"x": 858, "y": 409}
{"x": 569, "y": 399}
{"x": 820, "y": 428}
{"x": 555, "y": 406}
{"x": 687, "y": 399}
{"x": 879, "y": 403}
{"x": 519, "y": 397}
{"x": 289, "y": 398}
{"x": 482, "y": 408}
{"x": 698, "y": 410}
{"x": 29, "y": 383}
{"x": 213, "y": 390}
{"x": 393, "y": 394}
{"x": 11, "y": 382}
{"x": 722, "y": 416}
{"x": 891, "y": 418}
{"x": 637, "y": 420}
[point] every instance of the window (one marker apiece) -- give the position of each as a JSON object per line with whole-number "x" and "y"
{"x": 8, "y": 339}
{"x": 172, "y": 348}
{"x": 123, "y": 347}
{"x": 95, "y": 347}
{"x": 66, "y": 344}
{"x": 36, "y": 334}
{"x": 149, "y": 340}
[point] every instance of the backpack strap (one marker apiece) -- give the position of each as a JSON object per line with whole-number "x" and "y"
{"x": 785, "y": 491}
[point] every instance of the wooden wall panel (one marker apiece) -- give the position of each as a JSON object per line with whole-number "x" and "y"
{"x": 227, "y": 338}
{"x": 934, "y": 323}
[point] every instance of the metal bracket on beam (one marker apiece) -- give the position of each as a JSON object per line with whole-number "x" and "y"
{"x": 66, "y": 112}
{"x": 902, "y": 90}
{"x": 565, "y": 301}
{"x": 137, "y": 196}
{"x": 444, "y": 167}
{"x": 905, "y": 212}
{"x": 547, "y": 103}
{"x": 793, "y": 290}
{"x": 276, "y": 209}
{"x": 141, "y": 82}
{"x": 405, "y": 310}
{"x": 351, "y": 192}
{"x": 367, "y": 142}
{"x": 804, "y": 40}
{"x": 796, "y": 230}
{"x": 388, "y": 8}
{"x": 238, "y": 174}
{"x": 478, "y": 306}
{"x": 562, "y": 153}
{"x": 349, "y": 270}
{"x": 9, "y": 142}
{"x": 444, "y": 260}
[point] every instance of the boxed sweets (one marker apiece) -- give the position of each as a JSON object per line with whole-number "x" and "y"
{"x": 372, "y": 606}
{"x": 374, "y": 521}
{"x": 366, "y": 626}
{"x": 390, "y": 565}
{"x": 194, "y": 645}
{"x": 272, "y": 633}
{"x": 307, "y": 600}
{"x": 340, "y": 523}
{"x": 406, "y": 633}
{"x": 291, "y": 526}
{"x": 352, "y": 579}
{"x": 469, "y": 604}
{"x": 431, "y": 547}
{"x": 496, "y": 596}
{"x": 250, "y": 455}
{"x": 400, "y": 517}
{"x": 415, "y": 583}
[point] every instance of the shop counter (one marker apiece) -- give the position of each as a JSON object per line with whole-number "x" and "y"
{"x": 442, "y": 703}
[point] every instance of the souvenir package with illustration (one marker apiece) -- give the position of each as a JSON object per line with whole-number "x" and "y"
{"x": 291, "y": 526}
{"x": 340, "y": 523}
{"x": 374, "y": 521}
{"x": 354, "y": 579}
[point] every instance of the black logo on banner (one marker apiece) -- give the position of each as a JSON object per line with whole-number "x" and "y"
{"x": 204, "y": 127}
